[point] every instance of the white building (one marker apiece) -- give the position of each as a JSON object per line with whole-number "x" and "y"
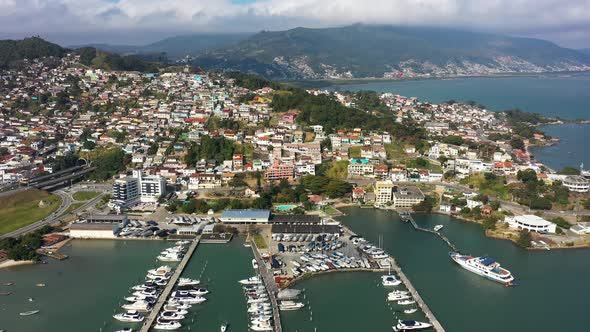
{"x": 531, "y": 223}
{"x": 130, "y": 190}
{"x": 383, "y": 192}
{"x": 576, "y": 183}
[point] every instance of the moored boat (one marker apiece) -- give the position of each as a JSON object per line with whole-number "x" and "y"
{"x": 411, "y": 325}
{"x": 29, "y": 313}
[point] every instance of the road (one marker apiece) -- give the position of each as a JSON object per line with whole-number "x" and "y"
{"x": 67, "y": 201}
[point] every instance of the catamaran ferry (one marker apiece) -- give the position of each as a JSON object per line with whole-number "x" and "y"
{"x": 485, "y": 267}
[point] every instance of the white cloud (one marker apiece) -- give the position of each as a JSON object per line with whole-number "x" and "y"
{"x": 526, "y": 17}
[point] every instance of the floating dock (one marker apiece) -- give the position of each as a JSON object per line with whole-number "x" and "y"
{"x": 408, "y": 217}
{"x": 153, "y": 315}
{"x": 435, "y": 323}
{"x": 271, "y": 287}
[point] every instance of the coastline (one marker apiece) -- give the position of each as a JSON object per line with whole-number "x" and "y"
{"x": 11, "y": 263}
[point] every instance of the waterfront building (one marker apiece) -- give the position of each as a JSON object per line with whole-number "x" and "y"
{"x": 577, "y": 183}
{"x": 531, "y": 223}
{"x": 96, "y": 226}
{"x": 405, "y": 197}
{"x": 279, "y": 171}
{"x": 245, "y": 216}
{"x": 383, "y": 192}
{"x": 130, "y": 190}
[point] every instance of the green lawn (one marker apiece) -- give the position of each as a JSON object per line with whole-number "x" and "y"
{"x": 85, "y": 195}
{"x": 259, "y": 241}
{"x": 331, "y": 210}
{"x": 22, "y": 209}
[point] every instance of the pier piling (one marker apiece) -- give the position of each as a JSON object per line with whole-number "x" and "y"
{"x": 151, "y": 318}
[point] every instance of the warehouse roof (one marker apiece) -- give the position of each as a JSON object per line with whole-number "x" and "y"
{"x": 305, "y": 229}
{"x": 245, "y": 214}
{"x": 295, "y": 218}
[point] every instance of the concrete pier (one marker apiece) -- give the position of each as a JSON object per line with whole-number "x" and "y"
{"x": 435, "y": 323}
{"x": 271, "y": 287}
{"x": 153, "y": 315}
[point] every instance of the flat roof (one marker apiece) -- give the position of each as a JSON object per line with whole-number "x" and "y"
{"x": 104, "y": 226}
{"x": 107, "y": 217}
{"x": 245, "y": 214}
{"x": 295, "y": 218}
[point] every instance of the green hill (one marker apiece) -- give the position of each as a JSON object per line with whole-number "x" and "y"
{"x": 12, "y": 51}
{"x": 372, "y": 51}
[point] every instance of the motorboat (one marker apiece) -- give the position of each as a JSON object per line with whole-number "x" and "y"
{"x": 224, "y": 327}
{"x": 170, "y": 258}
{"x": 170, "y": 315}
{"x": 191, "y": 299}
{"x": 397, "y": 297}
{"x": 197, "y": 292}
{"x": 411, "y": 325}
{"x": 176, "y": 306}
{"x": 410, "y": 311}
{"x": 254, "y": 264}
{"x": 266, "y": 326}
{"x": 29, "y": 313}
{"x": 390, "y": 280}
{"x": 161, "y": 271}
{"x": 290, "y": 305}
{"x": 127, "y": 329}
{"x": 251, "y": 281}
{"x": 176, "y": 311}
{"x": 188, "y": 282}
{"x": 167, "y": 325}
{"x": 483, "y": 266}
{"x": 438, "y": 228}
{"x": 129, "y": 316}
{"x": 406, "y": 302}
{"x": 141, "y": 305}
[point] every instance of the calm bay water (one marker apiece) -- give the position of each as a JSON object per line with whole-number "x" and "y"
{"x": 566, "y": 97}
{"x": 83, "y": 292}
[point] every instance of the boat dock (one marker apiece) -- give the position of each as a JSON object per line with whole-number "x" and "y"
{"x": 407, "y": 216}
{"x": 271, "y": 287}
{"x": 153, "y": 315}
{"x": 435, "y": 323}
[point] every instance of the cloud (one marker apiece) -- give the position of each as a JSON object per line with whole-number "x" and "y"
{"x": 567, "y": 21}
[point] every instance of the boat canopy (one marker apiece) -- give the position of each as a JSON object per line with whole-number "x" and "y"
{"x": 488, "y": 261}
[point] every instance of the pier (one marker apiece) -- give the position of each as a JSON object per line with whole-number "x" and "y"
{"x": 271, "y": 287}
{"x": 435, "y": 323}
{"x": 153, "y": 315}
{"x": 408, "y": 217}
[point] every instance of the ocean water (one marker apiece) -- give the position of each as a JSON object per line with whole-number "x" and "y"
{"x": 566, "y": 97}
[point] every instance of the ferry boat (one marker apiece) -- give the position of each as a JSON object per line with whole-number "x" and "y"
{"x": 129, "y": 316}
{"x": 438, "y": 228}
{"x": 411, "y": 325}
{"x": 483, "y": 266}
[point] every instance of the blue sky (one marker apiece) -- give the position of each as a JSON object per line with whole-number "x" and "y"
{"x": 142, "y": 21}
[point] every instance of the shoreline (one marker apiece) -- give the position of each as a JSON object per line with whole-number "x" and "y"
{"x": 12, "y": 263}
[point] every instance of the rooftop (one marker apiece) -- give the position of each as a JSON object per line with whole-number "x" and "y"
{"x": 245, "y": 214}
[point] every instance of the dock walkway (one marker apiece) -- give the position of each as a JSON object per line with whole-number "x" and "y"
{"x": 418, "y": 228}
{"x": 271, "y": 287}
{"x": 151, "y": 318}
{"x": 435, "y": 323}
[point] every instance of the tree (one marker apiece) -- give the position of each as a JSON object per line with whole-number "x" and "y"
{"x": 517, "y": 143}
{"x": 524, "y": 238}
{"x": 527, "y": 175}
{"x": 569, "y": 170}
{"x": 426, "y": 205}
{"x": 189, "y": 207}
{"x": 453, "y": 139}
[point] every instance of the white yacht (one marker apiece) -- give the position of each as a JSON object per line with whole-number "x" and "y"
{"x": 170, "y": 257}
{"x": 176, "y": 306}
{"x": 410, "y": 325}
{"x": 483, "y": 266}
{"x": 263, "y": 326}
{"x": 191, "y": 299}
{"x": 138, "y": 306}
{"x": 410, "y": 311}
{"x": 390, "y": 280}
{"x": 161, "y": 271}
{"x": 397, "y": 297}
{"x": 438, "y": 228}
{"x": 224, "y": 327}
{"x": 171, "y": 315}
{"x": 129, "y": 316}
{"x": 290, "y": 305}
{"x": 406, "y": 302}
{"x": 188, "y": 282}
{"x": 167, "y": 325}
{"x": 251, "y": 281}
{"x": 176, "y": 311}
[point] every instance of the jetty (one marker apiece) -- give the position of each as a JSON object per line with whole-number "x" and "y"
{"x": 435, "y": 323}
{"x": 271, "y": 287}
{"x": 408, "y": 217}
{"x": 153, "y": 315}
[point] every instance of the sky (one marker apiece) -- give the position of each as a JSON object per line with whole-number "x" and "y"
{"x": 137, "y": 22}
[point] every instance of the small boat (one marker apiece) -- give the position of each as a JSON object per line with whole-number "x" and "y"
{"x": 411, "y": 325}
{"x": 5, "y": 293}
{"x": 410, "y": 311}
{"x": 251, "y": 281}
{"x": 167, "y": 325}
{"x": 8, "y": 284}
{"x": 129, "y": 316}
{"x": 31, "y": 299}
{"x": 254, "y": 264}
{"x": 406, "y": 302}
{"x": 290, "y": 305}
{"x": 127, "y": 329}
{"x": 28, "y": 313}
{"x": 188, "y": 282}
{"x": 224, "y": 327}
{"x": 438, "y": 228}
{"x": 390, "y": 280}
{"x": 40, "y": 285}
